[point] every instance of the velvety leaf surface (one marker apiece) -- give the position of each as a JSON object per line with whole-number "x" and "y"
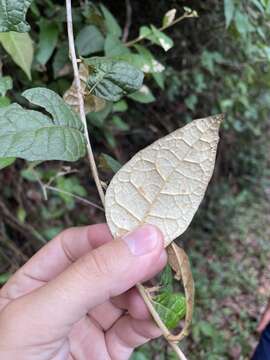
{"x": 110, "y": 79}
{"x": 165, "y": 183}
{"x": 12, "y": 15}
{"x": 31, "y": 135}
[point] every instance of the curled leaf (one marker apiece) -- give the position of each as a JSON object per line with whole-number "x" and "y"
{"x": 111, "y": 80}
{"x": 179, "y": 262}
{"x": 91, "y": 102}
{"x": 165, "y": 183}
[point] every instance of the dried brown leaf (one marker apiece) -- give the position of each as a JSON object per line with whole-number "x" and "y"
{"x": 179, "y": 262}
{"x": 91, "y": 103}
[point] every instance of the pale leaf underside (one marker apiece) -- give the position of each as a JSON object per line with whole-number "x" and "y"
{"x": 165, "y": 183}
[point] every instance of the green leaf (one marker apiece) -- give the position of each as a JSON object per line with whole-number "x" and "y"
{"x": 166, "y": 280}
{"x": 150, "y": 64}
{"x": 111, "y": 80}
{"x": 4, "y": 101}
{"x": 60, "y": 61}
{"x": 156, "y": 36}
{"x": 89, "y": 41}
{"x": 98, "y": 118}
{"x": 4, "y": 278}
{"x": 12, "y": 15}
{"x": 171, "y": 308}
{"x": 229, "y": 8}
{"x": 120, "y": 106}
{"x": 5, "y": 162}
{"x": 108, "y": 163}
{"x": 20, "y": 48}
{"x": 31, "y": 135}
{"x": 5, "y": 85}
{"x": 114, "y": 46}
{"x": 144, "y": 95}
{"x": 169, "y": 17}
{"x": 48, "y": 37}
{"x": 111, "y": 23}
{"x": 162, "y": 39}
{"x": 119, "y": 123}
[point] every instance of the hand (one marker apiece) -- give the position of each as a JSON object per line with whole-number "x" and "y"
{"x": 265, "y": 320}
{"x": 72, "y": 300}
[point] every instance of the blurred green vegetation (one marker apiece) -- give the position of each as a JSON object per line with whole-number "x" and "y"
{"x": 219, "y": 63}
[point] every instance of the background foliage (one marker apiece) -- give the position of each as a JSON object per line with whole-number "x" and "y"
{"x": 219, "y": 63}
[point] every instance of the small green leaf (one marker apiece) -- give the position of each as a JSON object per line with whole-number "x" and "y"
{"x": 111, "y": 23}
{"x": 48, "y": 37}
{"x": 4, "y": 278}
{"x": 31, "y": 135}
{"x": 5, "y": 162}
{"x": 98, "y": 118}
{"x": 89, "y": 41}
{"x": 5, "y": 85}
{"x": 161, "y": 39}
{"x": 166, "y": 280}
{"x": 171, "y": 308}
{"x": 111, "y": 80}
{"x": 108, "y": 163}
{"x": 229, "y": 8}
{"x": 144, "y": 95}
{"x": 12, "y": 15}
{"x": 114, "y": 46}
{"x": 156, "y": 36}
{"x": 120, "y": 106}
{"x": 60, "y": 61}
{"x": 169, "y": 17}
{"x": 4, "y": 101}
{"x": 20, "y": 48}
{"x": 119, "y": 123}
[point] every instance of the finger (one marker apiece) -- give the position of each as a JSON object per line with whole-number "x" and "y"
{"x": 55, "y": 257}
{"x": 106, "y": 314}
{"x": 105, "y": 272}
{"x": 133, "y": 303}
{"x": 127, "y": 334}
{"x": 264, "y": 321}
{"x": 109, "y": 312}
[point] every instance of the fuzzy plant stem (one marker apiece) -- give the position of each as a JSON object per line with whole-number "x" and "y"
{"x": 81, "y": 100}
{"x": 140, "y": 287}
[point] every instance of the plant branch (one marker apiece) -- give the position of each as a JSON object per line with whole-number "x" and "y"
{"x": 79, "y": 198}
{"x": 162, "y": 28}
{"x": 81, "y": 100}
{"x": 128, "y": 20}
{"x": 159, "y": 322}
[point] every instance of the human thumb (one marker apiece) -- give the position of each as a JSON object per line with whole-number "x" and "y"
{"x": 101, "y": 274}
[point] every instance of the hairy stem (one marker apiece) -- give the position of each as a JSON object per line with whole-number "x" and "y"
{"x": 81, "y": 100}
{"x": 79, "y": 198}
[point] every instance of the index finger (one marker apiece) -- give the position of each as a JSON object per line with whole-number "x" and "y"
{"x": 55, "y": 257}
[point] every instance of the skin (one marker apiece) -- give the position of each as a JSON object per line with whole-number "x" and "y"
{"x": 265, "y": 320}
{"x": 75, "y": 299}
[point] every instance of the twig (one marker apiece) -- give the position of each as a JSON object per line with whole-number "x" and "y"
{"x": 128, "y": 21}
{"x": 159, "y": 322}
{"x": 162, "y": 28}
{"x": 81, "y": 100}
{"x": 79, "y": 198}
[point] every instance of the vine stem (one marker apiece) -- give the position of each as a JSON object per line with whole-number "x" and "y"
{"x": 93, "y": 166}
{"x": 81, "y": 100}
{"x": 159, "y": 322}
{"x": 164, "y": 27}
